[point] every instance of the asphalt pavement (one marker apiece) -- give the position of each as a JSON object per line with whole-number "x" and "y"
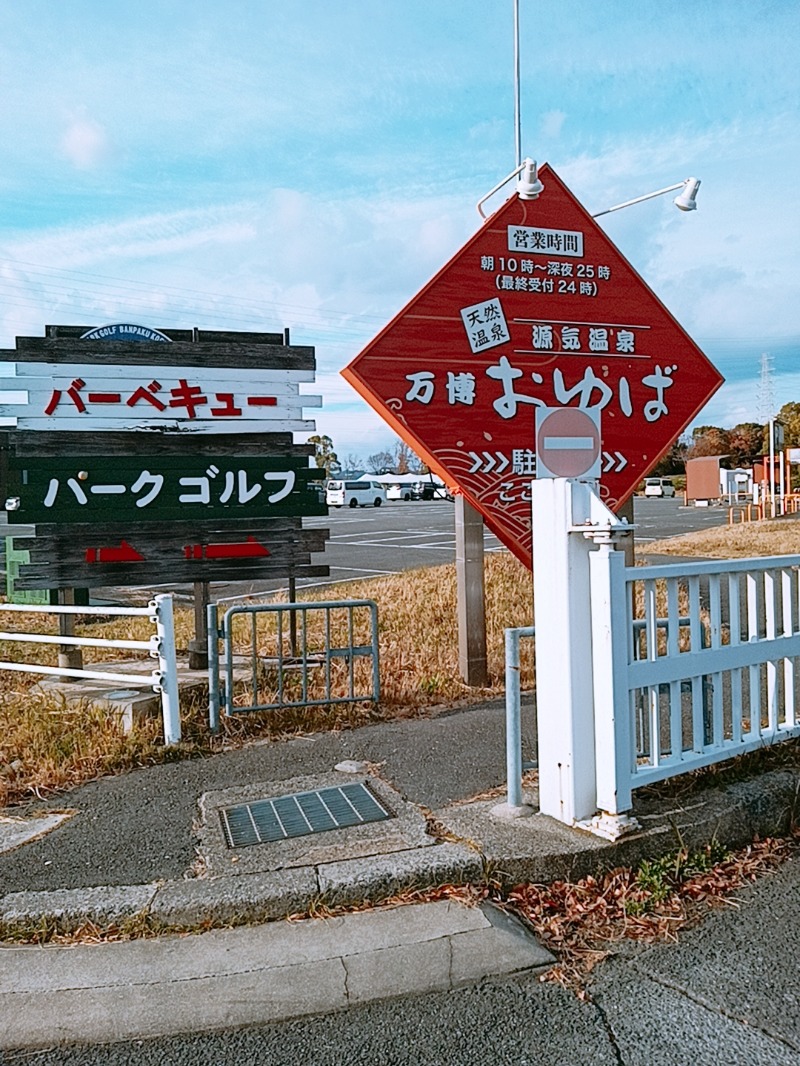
{"x": 724, "y": 992}
{"x": 147, "y": 849}
{"x": 433, "y": 982}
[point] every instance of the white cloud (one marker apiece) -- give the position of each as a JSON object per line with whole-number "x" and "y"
{"x": 85, "y": 143}
{"x": 552, "y": 123}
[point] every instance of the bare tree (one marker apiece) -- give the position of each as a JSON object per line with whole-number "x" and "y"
{"x": 352, "y": 462}
{"x": 380, "y": 463}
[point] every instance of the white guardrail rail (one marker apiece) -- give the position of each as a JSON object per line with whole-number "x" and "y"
{"x": 163, "y": 678}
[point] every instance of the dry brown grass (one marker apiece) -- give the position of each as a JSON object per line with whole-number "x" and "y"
{"x": 47, "y": 745}
{"x": 770, "y": 537}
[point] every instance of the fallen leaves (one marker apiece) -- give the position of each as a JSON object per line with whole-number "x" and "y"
{"x": 585, "y": 921}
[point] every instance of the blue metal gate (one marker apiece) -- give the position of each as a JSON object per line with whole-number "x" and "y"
{"x": 264, "y": 657}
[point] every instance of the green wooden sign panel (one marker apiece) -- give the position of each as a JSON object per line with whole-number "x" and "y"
{"x": 159, "y": 488}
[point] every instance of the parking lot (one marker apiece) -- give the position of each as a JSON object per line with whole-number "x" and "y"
{"x": 372, "y": 541}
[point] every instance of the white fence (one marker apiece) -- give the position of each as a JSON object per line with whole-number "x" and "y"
{"x": 163, "y": 678}
{"x": 644, "y": 673}
{"x": 705, "y": 668}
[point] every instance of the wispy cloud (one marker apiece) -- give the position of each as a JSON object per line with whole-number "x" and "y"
{"x": 84, "y": 143}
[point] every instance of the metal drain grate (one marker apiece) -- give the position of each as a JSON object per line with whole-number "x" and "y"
{"x": 298, "y": 815}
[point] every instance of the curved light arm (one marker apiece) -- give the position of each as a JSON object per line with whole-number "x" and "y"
{"x": 687, "y": 199}
{"x": 528, "y": 186}
{"x": 498, "y": 186}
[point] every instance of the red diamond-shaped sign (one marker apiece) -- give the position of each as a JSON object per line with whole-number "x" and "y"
{"x": 539, "y": 308}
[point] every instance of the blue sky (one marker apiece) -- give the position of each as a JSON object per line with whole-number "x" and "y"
{"x": 261, "y": 165}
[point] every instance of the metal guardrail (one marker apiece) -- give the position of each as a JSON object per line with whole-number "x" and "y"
{"x": 514, "y": 713}
{"x": 312, "y": 659}
{"x": 161, "y": 645}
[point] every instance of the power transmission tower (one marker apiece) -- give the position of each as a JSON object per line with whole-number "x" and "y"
{"x": 766, "y": 393}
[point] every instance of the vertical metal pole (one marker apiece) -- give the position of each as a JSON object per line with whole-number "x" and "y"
{"x": 198, "y": 648}
{"x": 168, "y": 669}
{"x": 212, "y": 623}
{"x": 563, "y": 651}
{"x": 628, "y": 547}
{"x": 610, "y": 629}
{"x": 772, "y": 467}
{"x": 293, "y": 615}
{"x": 471, "y": 606}
{"x": 513, "y": 720}
{"x": 70, "y": 657}
{"x": 517, "y": 112}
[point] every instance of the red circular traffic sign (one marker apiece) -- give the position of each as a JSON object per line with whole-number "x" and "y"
{"x": 567, "y": 442}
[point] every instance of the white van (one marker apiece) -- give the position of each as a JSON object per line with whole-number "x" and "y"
{"x": 355, "y": 494}
{"x": 659, "y": 486}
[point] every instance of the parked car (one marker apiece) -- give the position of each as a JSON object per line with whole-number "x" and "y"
{"x": 431, "y": 491}
{"x": 355, "y": 494}
{"x": 399, "y": 492}
{"x": 659, "y": 486}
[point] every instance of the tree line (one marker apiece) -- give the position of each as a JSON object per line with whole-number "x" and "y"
{"x": 400, "y": 460}
{"x": 743, "y": 443}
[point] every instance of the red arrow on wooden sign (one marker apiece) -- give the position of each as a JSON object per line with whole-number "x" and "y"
{"x": 124, "y": 553}
{"x": 246, "y": 549}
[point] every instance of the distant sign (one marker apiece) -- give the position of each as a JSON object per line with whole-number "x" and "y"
{"x": 124, "y": 332}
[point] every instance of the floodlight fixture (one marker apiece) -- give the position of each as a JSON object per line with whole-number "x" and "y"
{"x": 687, "y": 201}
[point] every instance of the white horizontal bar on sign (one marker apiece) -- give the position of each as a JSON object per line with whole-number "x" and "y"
{"x": 21, "y": 397}
{"x": 569, "y": 444}
{"x": 170, "y": 425}
{"x": 65, "y": 391}
{"x": 132, "y": 372}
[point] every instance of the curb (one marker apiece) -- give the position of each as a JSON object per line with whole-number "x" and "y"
{"x": 536, "y": 849}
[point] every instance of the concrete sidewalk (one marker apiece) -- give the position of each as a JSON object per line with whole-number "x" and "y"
{"x": 238, "y": 977}
{"x": 150, "y": 842}
{"x": 148, "y": 848}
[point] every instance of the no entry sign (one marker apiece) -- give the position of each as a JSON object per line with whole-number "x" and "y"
{"x": 539, "y": 309}
{"x": 567, "y": 442}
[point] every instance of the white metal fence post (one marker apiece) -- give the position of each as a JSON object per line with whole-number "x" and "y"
{"x": 168, "y": 669}
{"x": 563, "y": 654}
{"x": 611, "y": 636}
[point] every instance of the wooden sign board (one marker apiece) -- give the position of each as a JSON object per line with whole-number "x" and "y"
{"x": 101, "y": 453}
{"x": 85, "y": 397}
{"x": 89, "y": 556}
{"x": 159, "y": 488}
